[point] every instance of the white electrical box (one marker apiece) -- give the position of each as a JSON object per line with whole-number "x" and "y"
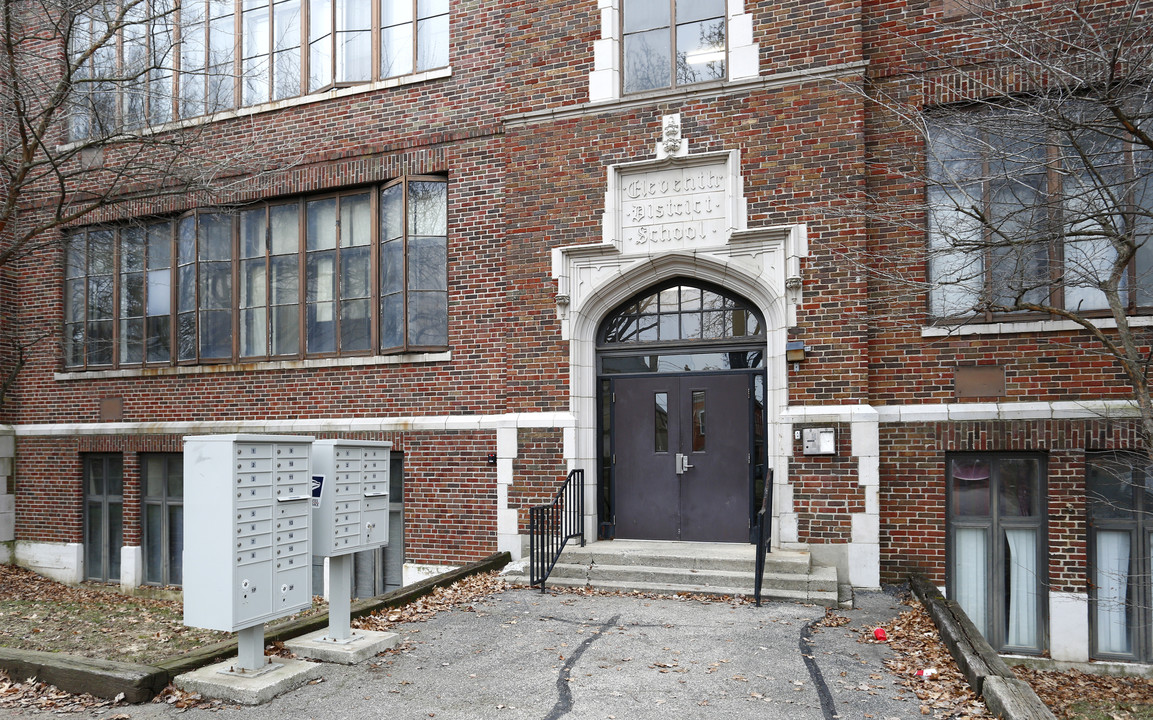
{"x": 350, "y": 486}
{"x": 247, "y": 545}
{"x": 819, "y": 441}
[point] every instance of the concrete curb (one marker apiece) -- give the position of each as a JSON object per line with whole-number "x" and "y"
{"x": 141, "y": 683}
{"x": 988, "y": 674}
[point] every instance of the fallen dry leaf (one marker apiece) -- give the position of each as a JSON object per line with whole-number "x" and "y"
{"x": 461, "y": 595}
{"x": 917, "y": 645}
{"x": 1060, "y": 690}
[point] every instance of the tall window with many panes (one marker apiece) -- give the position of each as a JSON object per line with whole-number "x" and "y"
{"x": 150, "y": 62}
{"x": 353, "y": 273}
{"x": 103, "y": 515}
{"x": 162, "y": 517}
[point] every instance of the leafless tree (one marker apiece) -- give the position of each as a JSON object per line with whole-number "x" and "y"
{"x": 1027, "y": 138}
{"x": 101, "y": 108}
{"x": 1025, "y": 150}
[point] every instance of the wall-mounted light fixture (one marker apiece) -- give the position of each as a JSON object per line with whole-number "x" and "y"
{"x": 795, "y": 350}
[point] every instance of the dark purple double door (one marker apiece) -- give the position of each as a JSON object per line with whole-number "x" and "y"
{"x": 682, "y": 457}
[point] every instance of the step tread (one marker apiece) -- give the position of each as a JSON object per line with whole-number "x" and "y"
{"x": 744, "y": 560}
{"x": 768, "y": 593}
{"x": 817, "y": 572}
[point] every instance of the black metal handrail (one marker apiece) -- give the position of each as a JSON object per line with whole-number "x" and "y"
{"x": 764, "y": 535}
{"x": 552, "y": 525}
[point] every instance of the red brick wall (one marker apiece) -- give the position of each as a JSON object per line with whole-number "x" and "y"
{"x": 49, "y": 493}
{"x": 826, "y": 491}
{"x": 538, "y": 472}
{"x": 449, "y": 497}
{"x": 913, "y": 522}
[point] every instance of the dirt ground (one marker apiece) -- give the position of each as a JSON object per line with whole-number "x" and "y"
{"x": 96, "y": 621}
{"x": 91, "y": 620}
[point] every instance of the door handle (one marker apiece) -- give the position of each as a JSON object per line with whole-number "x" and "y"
{"x": 682, "y": 464}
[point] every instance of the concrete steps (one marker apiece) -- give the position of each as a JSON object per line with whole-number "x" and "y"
{"x": 675, "y": 567}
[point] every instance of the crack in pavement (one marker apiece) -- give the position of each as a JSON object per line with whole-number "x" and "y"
{"x": 564, "y": 701}
{"x": 828, "y": 707}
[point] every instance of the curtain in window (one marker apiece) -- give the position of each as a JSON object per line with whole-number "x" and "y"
{"x": 971, "y": 570}
{"x": 1022, "y": 589}
{"x": 1112, "y": 580}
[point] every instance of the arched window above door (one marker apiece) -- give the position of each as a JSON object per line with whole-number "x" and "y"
{"x": 681, "y": 326}
{"x": 682, "y": 312}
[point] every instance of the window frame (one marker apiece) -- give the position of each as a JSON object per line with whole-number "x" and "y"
{"x": 408, "y": 235}
{"x": 110, "y": 564}
{"x": 1139, "y": 527}
{"x": 191, "y": 38}
{"x": 189, "y": 277}
{"x": 166, "y": 503}
{"x": 672, "y": 34}
{"x": 995, "y": 524}
{"x": 1052, "y": 199}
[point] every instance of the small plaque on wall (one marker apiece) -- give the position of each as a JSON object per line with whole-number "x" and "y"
{"x": 979, "y": 381}
{"x": 111, "y": 409}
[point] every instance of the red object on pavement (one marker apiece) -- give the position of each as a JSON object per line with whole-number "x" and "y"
{"x": 879, "y": 633}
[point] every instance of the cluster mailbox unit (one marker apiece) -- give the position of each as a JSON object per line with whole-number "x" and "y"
{"x": 248, "y": 552}
{"x": 256, "y": 509}
{"x": 350, "y": 494}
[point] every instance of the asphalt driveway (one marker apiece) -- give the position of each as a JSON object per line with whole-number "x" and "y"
{"x": 521, "y": 654}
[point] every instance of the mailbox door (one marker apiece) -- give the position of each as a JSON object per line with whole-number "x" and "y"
{"x": 376, "y": 520}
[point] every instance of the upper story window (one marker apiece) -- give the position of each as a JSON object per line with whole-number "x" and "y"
{"x": 1028, "y": 216}
{"x": 154, "y": 61}
{"x": 668, "y": 43}
{"x": 352, "y": 273}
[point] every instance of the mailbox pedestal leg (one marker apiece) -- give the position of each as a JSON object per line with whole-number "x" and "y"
{"x": 250, "y": 648}
{"x": 339, "y": 594}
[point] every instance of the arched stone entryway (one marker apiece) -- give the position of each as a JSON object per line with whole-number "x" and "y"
{"x": 681, "y": 392}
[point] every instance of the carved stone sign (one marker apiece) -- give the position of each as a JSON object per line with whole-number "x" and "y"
{"x": 674, "y": 208}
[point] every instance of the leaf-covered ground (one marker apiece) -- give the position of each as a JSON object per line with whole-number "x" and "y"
{"x": 941, "y": 687}
{"x": 39, "y": 614}
{"x": 1075, "y": 694}
{"x": 91, "y": 620}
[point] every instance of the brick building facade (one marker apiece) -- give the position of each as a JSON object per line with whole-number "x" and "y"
{"x": 600, "y": 268}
